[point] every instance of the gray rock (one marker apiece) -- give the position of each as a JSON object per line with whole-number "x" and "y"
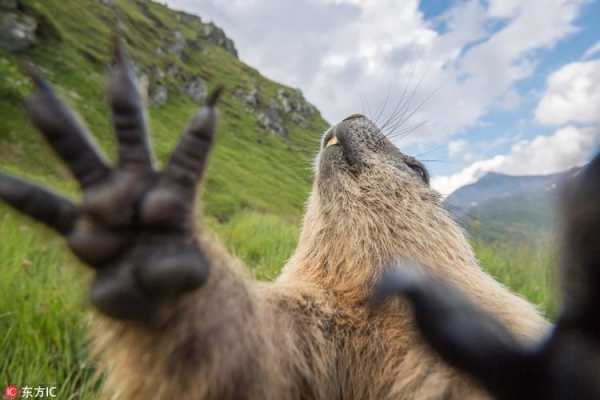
{"x": 297, "y": 102}
{"x": 158, "y": 73}
{"x": 196, "y": 89}
{"x": 251, "y": 98}
{"x": 196, "y": 44}
{"x": 216, "y": 36}
{"x": 178, "y": 45}
{"x": 298, "y": 119}
{"x": 17, "y": 31}
{"x": 295, "y": 106}
{"x": 271, "y": 120}
{"x": 285, "y": 100}
{"x": 172, "y": 70}
{"x": 186, "y": 18}
{"x": 108, "y": 2}
{"x": 9, "y": 4}
{"x": 159, "y": 95}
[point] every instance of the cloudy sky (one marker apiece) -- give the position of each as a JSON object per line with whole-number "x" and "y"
{"x": 469, "y": 86}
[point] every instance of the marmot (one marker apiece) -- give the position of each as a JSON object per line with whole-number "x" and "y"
{"x": 178, "y": 319}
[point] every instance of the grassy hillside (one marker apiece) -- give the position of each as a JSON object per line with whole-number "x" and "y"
{"x": 254, "y": 192}
{"x": 524, "y": 218}
{"x": 251, "y": 168}
{"x": 501, "y": 209}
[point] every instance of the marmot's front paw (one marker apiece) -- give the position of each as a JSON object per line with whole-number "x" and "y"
{"x": 564, "y": 365}
{"x": 134, "y": 226}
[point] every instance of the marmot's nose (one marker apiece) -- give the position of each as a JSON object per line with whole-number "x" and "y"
{"x": 354, "y": 116}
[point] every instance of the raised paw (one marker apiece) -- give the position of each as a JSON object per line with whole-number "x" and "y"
{"x": 580, "y": 256}
{"x": 565, "y": 364}
{"x": 134, "y": 225}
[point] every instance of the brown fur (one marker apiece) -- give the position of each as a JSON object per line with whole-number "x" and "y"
{"x": 311, "y": 334}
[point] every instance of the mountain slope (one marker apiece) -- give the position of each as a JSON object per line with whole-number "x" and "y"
{"x": 508, "y": 209}
{"x": 268, "y": 133}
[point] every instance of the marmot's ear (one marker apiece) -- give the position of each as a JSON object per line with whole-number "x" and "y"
{"x": 461, "y": 333}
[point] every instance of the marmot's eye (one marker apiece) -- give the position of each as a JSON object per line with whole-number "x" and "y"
{"x": 421, "y": 171}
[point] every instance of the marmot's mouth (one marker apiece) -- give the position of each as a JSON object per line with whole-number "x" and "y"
{"x": 330, "y": 138}
{"x": 338, "y": 149}
{"x": 331, "y": 141}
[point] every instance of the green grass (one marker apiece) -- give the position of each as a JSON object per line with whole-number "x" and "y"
{"x": 264, "y": 242}
{"x": 42, "y": 318}
{"x": 528, "y": 271}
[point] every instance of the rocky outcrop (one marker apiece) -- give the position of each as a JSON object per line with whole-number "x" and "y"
{"x": 249, "y": 98}
{"x": 206, "y": 32}
{"x": 196, "y": 89}
{"x": 271, "y": 119}
{"x": 156, "y": 82}
{"x": 17, "y": 30}
{"x": 178, "y": 45}
{"x": 289, "y": 104}
{"x": 215, "y": 35}
{"x": 159, "y": 94}
{"x": 294, "y": 104}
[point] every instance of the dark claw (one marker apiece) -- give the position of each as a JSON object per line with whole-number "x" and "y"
{"x": 65, "y": 134}
{"x": 40, "y": 204}
{"x": 187, "y": 164}
{"x": 128, "y": 112}
{"x": 464, "y": 335}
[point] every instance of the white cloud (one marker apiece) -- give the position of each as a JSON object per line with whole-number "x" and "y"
{"x": 592, "y": 51}
{"x": 510, "y": 100}
{"x": 461, "y": 150}
{"x": 567, "y": 147}
{"x": 447, "y": 184}
{"x": 345, "y": 54}
{"x": 457, "y": 147}
{"x": 572, "y": 95}
{"x": 504, "y": 8}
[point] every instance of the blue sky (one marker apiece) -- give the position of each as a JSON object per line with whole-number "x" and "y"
{"x": 501, "y": 85}
{"x": 500, "y": 127}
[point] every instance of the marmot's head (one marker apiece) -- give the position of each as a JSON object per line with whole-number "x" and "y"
{"x": 371, "y": 205}
{"x": 356, "y": 160}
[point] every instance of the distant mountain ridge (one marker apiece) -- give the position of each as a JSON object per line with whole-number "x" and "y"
{"x": 495, "y": 185}
{"x": 508, "y": 208}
